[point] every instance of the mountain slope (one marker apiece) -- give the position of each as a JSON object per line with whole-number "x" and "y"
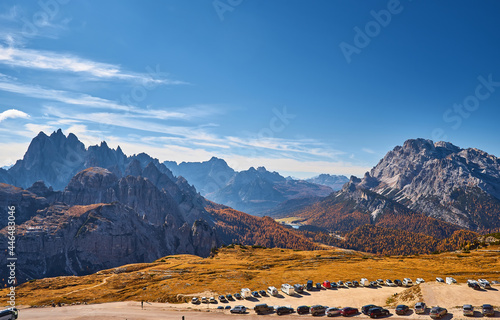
{"x": 432, "y": 188}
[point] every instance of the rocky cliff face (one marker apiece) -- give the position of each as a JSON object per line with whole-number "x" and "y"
{"x": 102, "y": 221}
{"x": 55, "y": 159}
{"x": 461, "y": 186}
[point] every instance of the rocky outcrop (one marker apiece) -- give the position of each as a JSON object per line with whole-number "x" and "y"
{"x": 55, "y": 159}
{"x": 440, "y": 180}
{"x": 26, "y": 204}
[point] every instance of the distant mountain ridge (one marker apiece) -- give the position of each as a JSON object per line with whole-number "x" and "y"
{"x": 255, "y": 191}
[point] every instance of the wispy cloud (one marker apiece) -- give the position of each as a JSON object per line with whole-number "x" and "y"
{"x": 85, "y": 100}
{"x": 13, "y": 113}
{"x": 51, "y": 61}
{"x": 367, "y": 150}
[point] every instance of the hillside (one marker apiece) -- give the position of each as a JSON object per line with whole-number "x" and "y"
{"x": 175, "y": 278}
{"x": 237, "y": 227}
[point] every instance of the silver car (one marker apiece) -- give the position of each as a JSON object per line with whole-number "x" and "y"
{"x": 331, "y": 312}
{"x": 468, "y": 310}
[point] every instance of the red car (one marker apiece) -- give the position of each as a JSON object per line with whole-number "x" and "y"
{"x": 347, "y": 311}
{"x": 327, "y": 284}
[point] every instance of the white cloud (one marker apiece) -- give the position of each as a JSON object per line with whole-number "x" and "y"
{"x": 11, "y": 152}
{"x": 367, "y": 150}
{"x": 51, "y": 61}
{"x": 13, "y": 113}
{"x": 85, "y": 100}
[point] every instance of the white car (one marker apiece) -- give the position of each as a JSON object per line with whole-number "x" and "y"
{"x": 439, "y": 279}
{"x": 450, "y": 280}
{"x": 389, "y": 283}
{"x": 407, "y": 282}
{"x": 419, "y": 280}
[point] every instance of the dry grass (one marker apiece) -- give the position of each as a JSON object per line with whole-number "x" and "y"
{"x": 174, "y": 278}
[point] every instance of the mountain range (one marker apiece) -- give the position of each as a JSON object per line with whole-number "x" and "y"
{"x": 116, "y": 211}
{"x": 422, "y": 186}
{"x": 80, "y": 210}
{"x": 255, "y": 191}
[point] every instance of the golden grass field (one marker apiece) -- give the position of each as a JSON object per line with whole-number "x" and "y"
{"x": 176, "y": 278}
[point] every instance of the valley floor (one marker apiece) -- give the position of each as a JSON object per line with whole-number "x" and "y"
{"x": 448, "y": 296}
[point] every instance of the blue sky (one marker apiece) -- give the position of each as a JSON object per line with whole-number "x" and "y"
{"x": 301, "y": 87}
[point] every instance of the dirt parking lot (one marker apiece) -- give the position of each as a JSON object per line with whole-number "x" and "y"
{"x": 448, "y": 296}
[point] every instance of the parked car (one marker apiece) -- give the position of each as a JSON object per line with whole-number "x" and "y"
{"x": 484, "y": 284}
{"x": 298, "y": 288}
{"x": 237, "y": 296}
{"x": 195, "y": 300}
{"x": 262, "y": 293}
{"x": 488, "y": 310}
{"x": 419, "y": 281}
{"x": 364, "y": 282}
{"x": 331, "y": 312}
{"x": 378, "y": 312}
{"x": 283, "y": 310}
{"x": 438, "y": 279}
{"x": 333, "y": 285}
{"x": 364, "y": 309}
{"x": 255, "y": 294}
{"x": 272, "y": 291}
{"x": 398, "y": 282}
{"x": 288, "y": 289}
{"x": 340, "y": 283}
{"x": 407, "y": 282}
{"x": 263, "y": 308}
{"x": 348, "y": 284}
{"x": 420, "y": 307}
{"x": 309, "y": 285}
{"x": 303, "y": 309}
{"x": 212, "y": 300}
{"x": 204, "y": 300}
{"x": 468, "y": 310}
{"x": 229, "y": 297}
{"x": 355, "y": 283}
{"x": 318, "y": 310}
{"x": 389, "y": 283}
{"x": 348, "y": 311}
{"x": 318, "y": 286}
{"x": 374, "y": 284}
{"x": 380, "y": 282}
{"x": 238, "y": 309}
{"x": 326, "y": 284}
{"x": 220, "y": 307}
{"x": 402, "y": 309}
{"x": 246, "y": 293}
{"x": 222, "y": 298}
{"x": 227, "y": 307}
{"x": 438, "y": 312}
{"x": 450, "y": 280}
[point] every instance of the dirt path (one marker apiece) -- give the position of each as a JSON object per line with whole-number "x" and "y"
{"x": 104, "y": 281}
